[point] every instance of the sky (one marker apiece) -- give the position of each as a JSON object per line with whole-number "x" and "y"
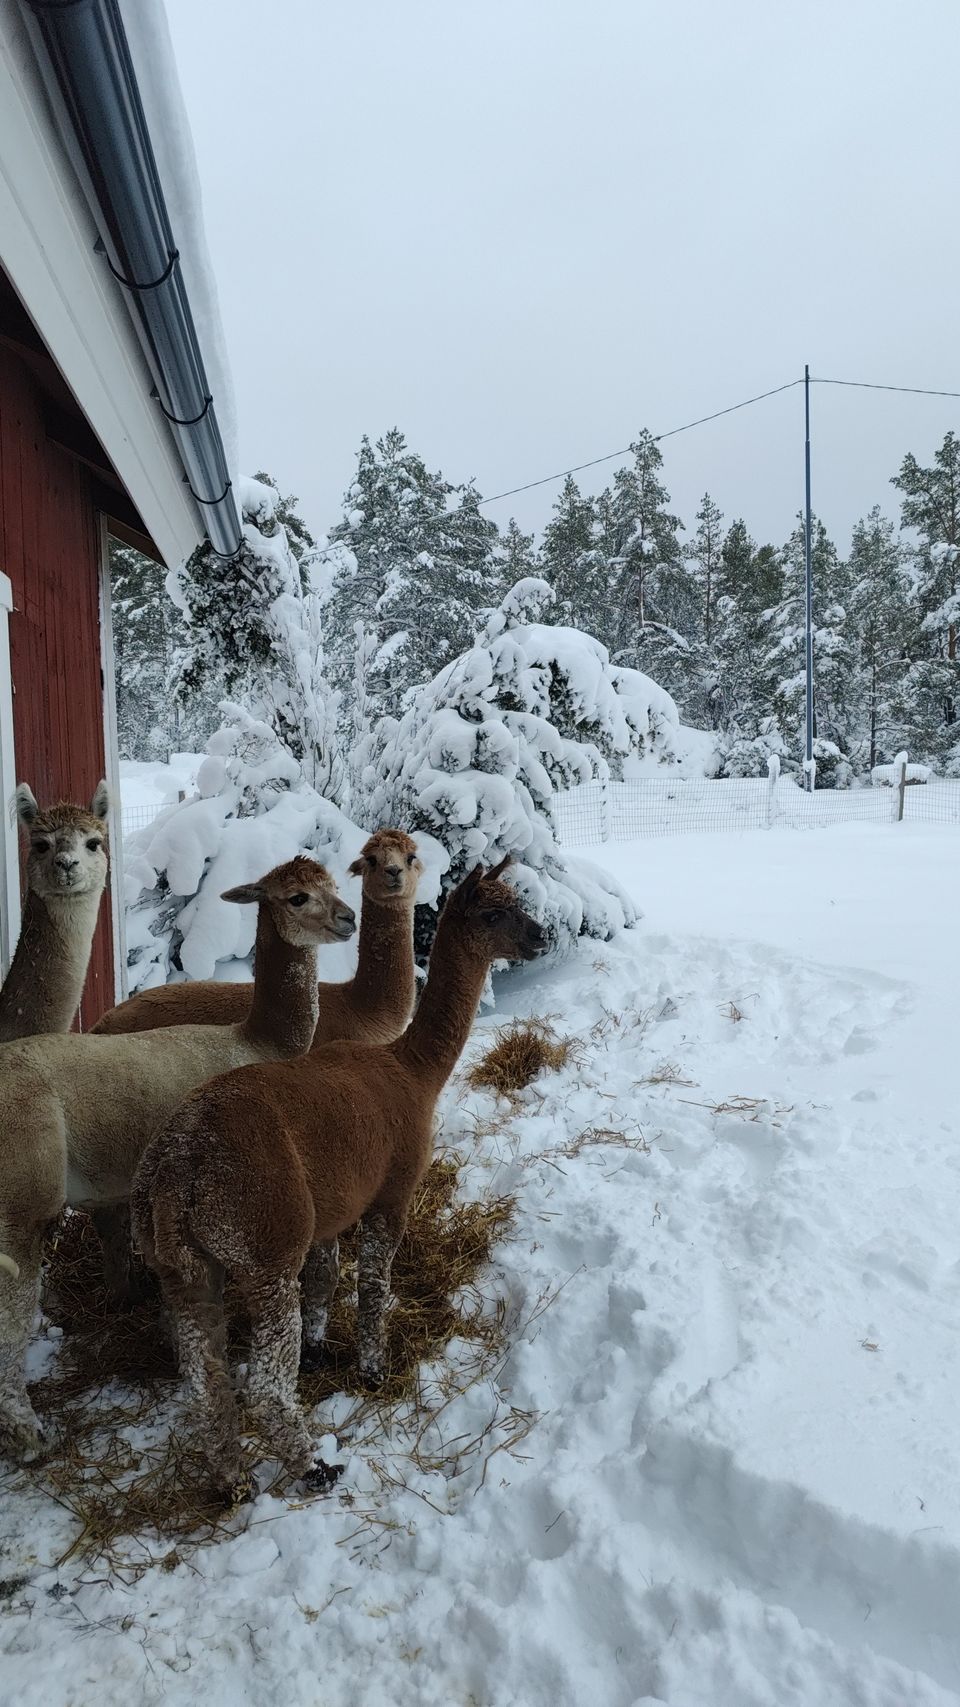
{"x": 523, "y": 230}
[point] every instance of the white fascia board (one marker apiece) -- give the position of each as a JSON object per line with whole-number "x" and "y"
{"x": 47, "y": 237}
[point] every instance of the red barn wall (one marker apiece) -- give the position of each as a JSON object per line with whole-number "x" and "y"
{"x": 50, "y": 548}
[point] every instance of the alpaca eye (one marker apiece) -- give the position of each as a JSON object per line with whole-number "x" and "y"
{"x": 298, "y": 900}
{"x": 94, "y": 843}
{"x": 371, "y": 861}
{"x": 41, "y": 847}
{"x": 492, "y": 915}
{"x": 411, "y": 858}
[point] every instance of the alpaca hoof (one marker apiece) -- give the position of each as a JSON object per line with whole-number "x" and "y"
{"x": 235, "y": 1490}
{"x": 322, "y": 1477}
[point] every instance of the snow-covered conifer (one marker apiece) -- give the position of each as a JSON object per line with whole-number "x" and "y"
{"x": 480, "y": 751}
{"x": 258, "y": 618}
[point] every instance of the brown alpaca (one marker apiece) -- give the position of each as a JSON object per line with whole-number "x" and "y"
{"x": 372, "y": 1007}
{"x": 258, "y": 1173}
{"x": 66, "y": 873}
{"x": 78, "y": 1112}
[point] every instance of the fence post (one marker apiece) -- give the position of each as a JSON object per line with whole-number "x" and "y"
{"x": 900, "y": 784}
{"x": 605, "y": 808}
{"x": 773, "y": 774}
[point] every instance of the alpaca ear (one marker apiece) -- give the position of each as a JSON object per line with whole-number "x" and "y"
{"x": 355, "y": 869}
{"x": 24, "y": 805}
{"x": 100, "y": 804}
{"x": 497, "y": 870}
{"x": 245, "y": 892}
{"x": 470, "y": 882}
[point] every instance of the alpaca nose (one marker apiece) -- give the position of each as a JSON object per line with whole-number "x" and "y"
{"x": 346, "y": 921}
{"x": 395, "y": 875}
{"x": 66, "y": 862}
{"x": 536, "y": 935}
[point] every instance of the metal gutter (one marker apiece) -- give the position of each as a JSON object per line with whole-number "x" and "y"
{"x": 85, "y": 61}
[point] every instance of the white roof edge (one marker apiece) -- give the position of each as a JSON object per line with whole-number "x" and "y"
{"x": 147, "y": 30}
{"x": 47, "y": 237}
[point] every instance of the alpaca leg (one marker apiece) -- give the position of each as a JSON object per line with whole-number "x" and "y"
{"x": 318, "y": 1284}
{"x": 20, "y": 1432}
{"x": 274, "y": 1306}
{"x": 201, "y": 1342}
{"x": 125, "y": 1277}
{"x": 379, "y": 1237}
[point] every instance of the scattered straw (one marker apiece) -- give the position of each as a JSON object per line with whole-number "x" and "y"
{"x": 519, "y": 1055}
{"x": 748, "y": 1108}
{"x": 668, "y": 1073}
{"x": 592, "y": 1138}
{"x": 115, "y": 1375}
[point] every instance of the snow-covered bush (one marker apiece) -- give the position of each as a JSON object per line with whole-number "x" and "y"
{"x": 750, "y": 755}
{"x": 480, "y": 751}
{"x": 834, "y": 769}
{"x": 252, "y": 810}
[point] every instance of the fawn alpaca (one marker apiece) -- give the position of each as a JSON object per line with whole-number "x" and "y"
{"x": 373, "y": 1006}
{"x": 259, "y": 1172}
{"x": 79, "y": 1111}
{"x": 66, "y": 873}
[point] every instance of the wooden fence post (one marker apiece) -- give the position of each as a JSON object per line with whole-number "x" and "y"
{"x": 605, "y": 808}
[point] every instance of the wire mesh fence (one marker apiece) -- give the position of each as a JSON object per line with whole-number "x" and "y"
{"x": 673, "y": 806}
{"x": 138, "y": 817}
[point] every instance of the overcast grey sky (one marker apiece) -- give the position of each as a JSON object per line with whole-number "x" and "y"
{"x": 520, "y": 230}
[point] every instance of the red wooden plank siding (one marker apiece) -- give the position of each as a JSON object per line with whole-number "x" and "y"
{"x": 50, "y": 548}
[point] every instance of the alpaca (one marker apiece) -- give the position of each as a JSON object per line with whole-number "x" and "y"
{"x": 66, "y": 873}
{"x": 259, "y": 1172}
{"x": 79, "y": 1111}
{"x": 371, "y": 1007}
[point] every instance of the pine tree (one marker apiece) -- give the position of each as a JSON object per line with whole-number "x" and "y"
{"x": 931, "y": 504}
{"x": 148, "y": 636}
{"x": 704, "y": 555}
{"x": 880, "y": 617}
{"x": 654, "y": 593}
{"x": 749, "y": 584}
{"x": 576, "y": 566}
{"x": 785, "y": 652}
{"x": 419, "y": 565}
{"x": 516, "y": 557}
{"x": 258, "y": 619}
{"x": 285, "y": 512}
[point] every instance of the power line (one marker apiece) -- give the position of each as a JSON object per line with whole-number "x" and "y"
{"x": 612, "y": 455}
{"x": 729, "y": 411}
{"x": 867, "y": 385}
{"x": 702, "y": 420}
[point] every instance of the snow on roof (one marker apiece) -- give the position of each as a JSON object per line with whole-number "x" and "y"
{"x": 154, "y": 62}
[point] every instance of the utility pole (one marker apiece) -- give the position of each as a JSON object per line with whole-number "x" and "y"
{"x": 808, "y": 771}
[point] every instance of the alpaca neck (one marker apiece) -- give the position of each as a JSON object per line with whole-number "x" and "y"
{"x": 43, "y": 988}
{"x": 385, "y": 971}
{"x": 434, "y": 1040}
{"x": 283, "y": 1013}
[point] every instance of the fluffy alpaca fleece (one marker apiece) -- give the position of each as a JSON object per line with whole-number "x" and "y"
{"x": 258, "y": 1173}
{"x": 371, "y": 1007}
{"x": 66, "y": 875}
{"x": 78, "y": 1111}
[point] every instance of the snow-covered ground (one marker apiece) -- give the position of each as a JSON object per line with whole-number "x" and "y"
{"x": 738, "y": 1335}
{"x": 145, "y": 787}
